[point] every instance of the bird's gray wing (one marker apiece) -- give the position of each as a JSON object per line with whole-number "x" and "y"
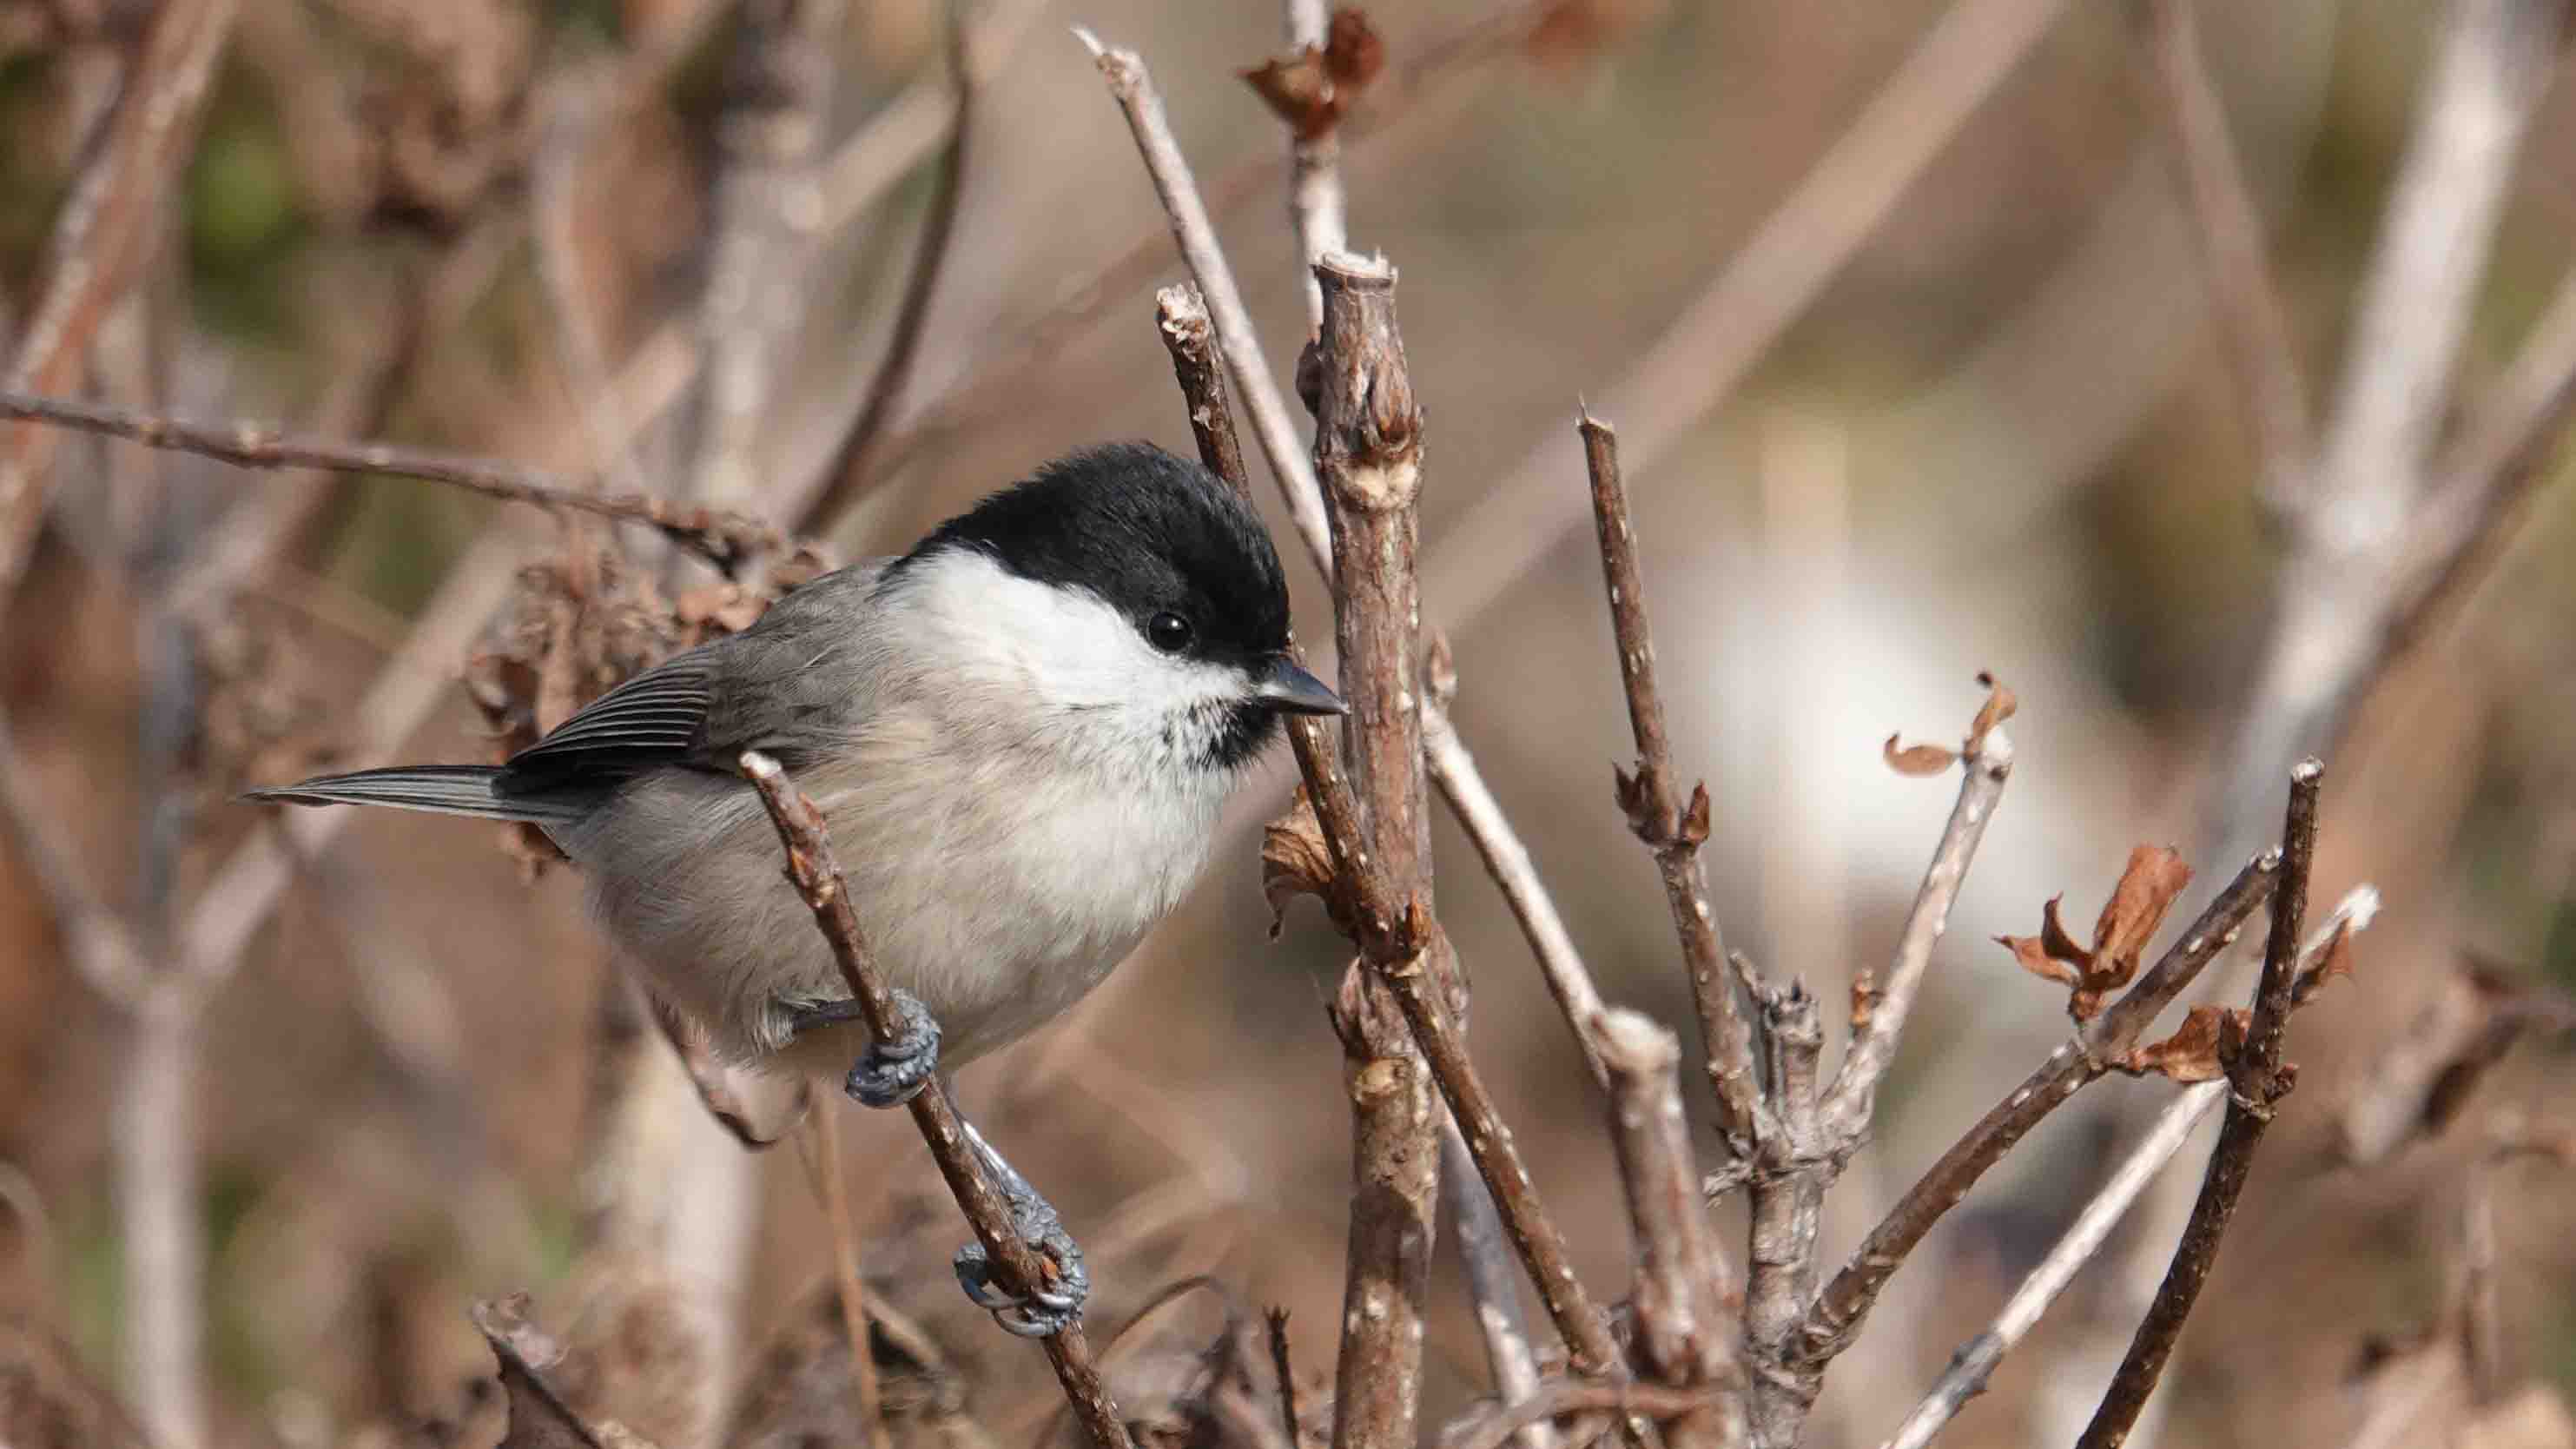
{"x": 760, "y": 689}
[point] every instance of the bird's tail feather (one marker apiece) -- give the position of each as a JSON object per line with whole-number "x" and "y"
{"x": 439, "y": 789}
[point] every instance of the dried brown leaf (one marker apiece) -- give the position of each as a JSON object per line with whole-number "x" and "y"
{"x": 1299, "y": 91}
{"x": 2032, "y": 955}
{"x": 2147, "y": 889}
{"x": 2336, "y": 964}
{"x": 1353, "y": 53}
{"x": 2197, "y": 1050}
{"x": 1999, "y": 706}
{"x": 1295, "y": 860}
{"x": 2054, "y": 940}
{"x": 1917, "y": 760}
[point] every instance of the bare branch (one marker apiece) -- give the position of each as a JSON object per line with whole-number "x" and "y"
{"x": 2251, "y": 320}
{"x": 1985, "y": 767}
{"x": 1275, "y": 1322}
{"x": 1969, "y": 1368}
{"x": 723, "y": 538}
{"x": 1654, "y": 809}
{"x": 1133, "y": 88}
{"x": 1681, "y": 1277}
{"x": 1452, "y": 767}
{"x": 1493, "y": 1279}
{"x": 816, "y": 873}
{"x": 2257, "y": 1080}
{"x": 100, "y": 239}
{"x": 857, "y": 462}
{"x": 1508, "y": 862}
{"x": 94, "y": 935}
{"x": 1317, "y": 206}
{"x": 1846, "y": 1300}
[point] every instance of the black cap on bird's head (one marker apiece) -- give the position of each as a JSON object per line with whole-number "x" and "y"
{"x": 1168, "y": 544}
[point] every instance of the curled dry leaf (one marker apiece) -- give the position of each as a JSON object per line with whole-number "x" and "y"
{"x": 1999, "y": 706}
{"x": 1295, "y": 861}
{"x": 1917, "y": 760}
{"x": 2197, "y": 1050}
{"x": 2335, "y": 964}
{"x": 2154, "y": 879}
{"x": 1313, "y": 88}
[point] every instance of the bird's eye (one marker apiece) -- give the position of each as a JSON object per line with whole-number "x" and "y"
{"x": 1169, "y": 632}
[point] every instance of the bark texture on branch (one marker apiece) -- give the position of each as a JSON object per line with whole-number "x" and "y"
{"x": 816, "y": 874}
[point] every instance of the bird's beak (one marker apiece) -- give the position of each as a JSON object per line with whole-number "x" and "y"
{"x": 1292, "y": 690}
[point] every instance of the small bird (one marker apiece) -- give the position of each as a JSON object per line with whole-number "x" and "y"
{"x": 1020, "y": 733}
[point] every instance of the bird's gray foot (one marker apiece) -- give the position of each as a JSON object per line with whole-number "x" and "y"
{"x": 892, "y": 1072}
{"x": 1057, "y": 1304}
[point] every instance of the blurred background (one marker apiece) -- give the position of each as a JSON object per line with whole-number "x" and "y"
{"x": 1906, "y": 318}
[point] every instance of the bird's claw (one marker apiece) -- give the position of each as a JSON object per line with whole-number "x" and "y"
{"x": 1053, "y": 1307}
{"x": 893, "y": 1072}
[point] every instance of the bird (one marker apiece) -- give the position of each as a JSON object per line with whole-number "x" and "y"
{"x": 1021, "y": 733}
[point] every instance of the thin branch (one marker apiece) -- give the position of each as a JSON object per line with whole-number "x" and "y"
{"x": 723, "y": 538}
{"x": 1508, "y": 862}
{"x": 1873, "y": 1049}
{"x": 1133, "y": 88}
{"x": 1181, "y": 318}
{"x": 1846, "y": 1299}
{"x": 1969, "y": 1368}
{"x": 100, "y": 240}
{"x": 1368, "y": 446}
{"x": 1654, "y": 809}
{"x": 2257, "y": 1080}
{"x": 1318, "y": 210}
{"x": 1275, "y": 1323}
{"x": 1683, "y": 1332}
{"x": 816, "y": 873}
{"x": 94, "y": 935}
{"x": 857, "y": 460}
{"x": 1493, "y": 1279}
{"x": 2251, "y": 320}
{"x": 1453, "y": 769}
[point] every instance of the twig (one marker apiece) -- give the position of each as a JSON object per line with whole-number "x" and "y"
{"x": 1846, "y": 1299}
{"x": 1133, "y": 88}
{"x": 856, "y": 460}
{"x": 816, "y": 873}
{"x": 1275, "y": 1322}
{"x": 1452, "y": 767}
{"x": 1181, "y": 317}
{"x": 1654, "y": 809}
{"x": 1317, "y": 206}
{"x": 1493, "y": 1279}
{"x": 2251, "y": 320}
{"x": 1771, "y": 280}
{"x": 1681, "y": 1278}
{"x": 2257, "y": 1080}
{"x": 1368, "y": 446}
{"x": 723, "y": 538}
{"x": 1985, "y": 769}
{"x": 845, "y": 1267}
{"x": 1969, "y": 1368}
{"x": 100, "y": 239}
{"x": 1574, "y": 1396}
{"x": 96, "y": 938}
{"x": 1508, "y": 862}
